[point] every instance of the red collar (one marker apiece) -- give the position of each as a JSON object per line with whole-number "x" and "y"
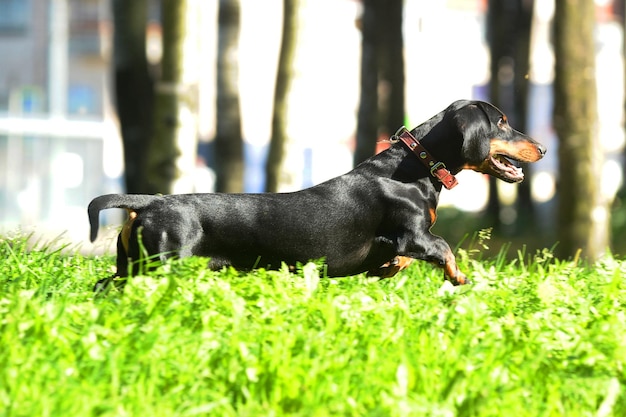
{"x": 437, "y": 169}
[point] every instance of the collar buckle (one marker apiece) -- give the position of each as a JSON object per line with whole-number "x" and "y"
{"x": 437, "y": 168}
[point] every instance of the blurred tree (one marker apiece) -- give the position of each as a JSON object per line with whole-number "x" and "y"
{"x": 508, "y": 34}
{"x": 133, "y": 88}
{"x": 228, "y": 138}
{"x": 284, "y": 76}
{"x": 620, "y": 10}
{"x": 381, "y": 106}
{"x": 583, "y": 217}
{"x": 172, "y": 153}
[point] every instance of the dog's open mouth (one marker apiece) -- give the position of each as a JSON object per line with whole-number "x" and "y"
{"x": 505, "y": 169}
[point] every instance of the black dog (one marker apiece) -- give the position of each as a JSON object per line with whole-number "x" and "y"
{"x": 375, "y": 219}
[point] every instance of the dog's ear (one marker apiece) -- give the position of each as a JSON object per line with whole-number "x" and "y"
{"x": 474, "y": 126}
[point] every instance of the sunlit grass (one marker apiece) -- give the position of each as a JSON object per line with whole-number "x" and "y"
{"x": 534, "y": 336}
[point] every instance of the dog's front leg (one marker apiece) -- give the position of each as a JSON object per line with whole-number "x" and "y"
{"x": 451, "y": 270}
{"x": 391, "y": 268}
{"x": 434, "y": 249}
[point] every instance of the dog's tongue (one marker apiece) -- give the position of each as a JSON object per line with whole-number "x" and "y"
{"x": 507, "y": 168}
{"x": 516, "y": 172}
{"x": 513, "y": 170}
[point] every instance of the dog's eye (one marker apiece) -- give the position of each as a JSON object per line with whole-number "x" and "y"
{"x": 502, "y": 122}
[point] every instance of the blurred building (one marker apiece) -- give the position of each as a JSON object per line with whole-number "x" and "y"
{"x": 36, "y": 37}
{"x": 54, "y": 110}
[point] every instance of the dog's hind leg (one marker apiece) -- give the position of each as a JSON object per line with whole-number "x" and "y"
{"x": 123, "y": 247}
{"x": 122, "y": 270}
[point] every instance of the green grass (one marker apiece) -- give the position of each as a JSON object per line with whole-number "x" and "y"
{"x": 531, "y": 337}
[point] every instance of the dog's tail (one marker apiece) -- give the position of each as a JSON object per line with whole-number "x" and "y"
{"x": 131, "y": 202}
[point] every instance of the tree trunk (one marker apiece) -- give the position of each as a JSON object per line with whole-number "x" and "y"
{"x": 508, "y": 32}
{"x": 500, "y": 38}
{"x": 583, "y": 217}
{"x": 133, "y": 88}
{"x": 284, "y": 76}
{"x": 228, "y": 138}
{"x": 382, "y": 70}
{"x": 367, "y": 118}
{"x": 521, "y": 84}
{"x": 620, "y": 8}
{"x": 391, "y": 64}
{"x": 172, "y": 154}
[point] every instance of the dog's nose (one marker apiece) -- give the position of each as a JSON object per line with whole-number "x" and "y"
{"x": 542, "y": 149}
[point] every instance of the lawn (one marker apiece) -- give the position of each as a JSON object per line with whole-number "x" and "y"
{"x": 532, "y": 336}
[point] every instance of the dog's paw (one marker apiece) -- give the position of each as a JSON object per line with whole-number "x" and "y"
{"x": 102, "y": 285}
{"x": 392, "y": 267}
{"x": 460, "y": 279}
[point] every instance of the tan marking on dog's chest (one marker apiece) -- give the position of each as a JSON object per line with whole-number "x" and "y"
{"x": 433, "y": 215}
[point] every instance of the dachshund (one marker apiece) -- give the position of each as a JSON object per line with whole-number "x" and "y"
{"x": 375, "y": 218}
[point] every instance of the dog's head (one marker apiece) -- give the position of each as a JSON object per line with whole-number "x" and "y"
{"x": 490, "y": 144}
